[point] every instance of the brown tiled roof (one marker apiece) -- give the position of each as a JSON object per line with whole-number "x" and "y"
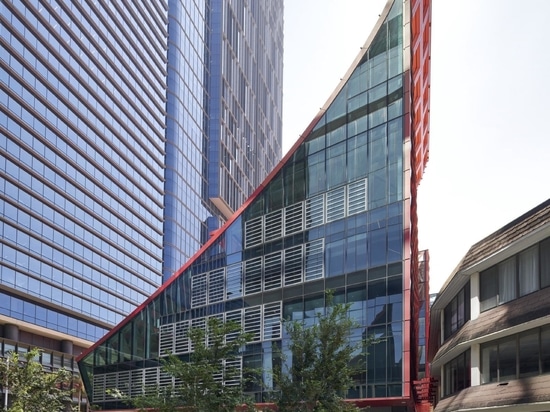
{"x": 527, "y": 223}
{"x": 507, "y": 235}
{"x": 518, "y": 311}
{"x": 516, "y": 392}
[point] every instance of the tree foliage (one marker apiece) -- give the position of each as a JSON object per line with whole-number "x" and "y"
{"x": 31, "y": 388}
{"x": 319, "y": 372}
{"x": 209, "y": 380}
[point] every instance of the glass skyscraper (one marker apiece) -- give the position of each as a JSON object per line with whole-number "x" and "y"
{"x": 128, "y": 133}
{"x": 224, "y": 108}
{"x": 81, "y": 167}
{"x": 337, "y": 213}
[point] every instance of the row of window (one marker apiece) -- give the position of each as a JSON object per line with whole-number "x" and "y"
{"x": 519, "y": 275}
{"x": 325, "y": 208}
{"x": 518, "y": 356}
{"x": 513, "y": 357}
{"x": 18, "y": 308}
{"x": 263, "y": 322}
{"x": 457, "y": 312}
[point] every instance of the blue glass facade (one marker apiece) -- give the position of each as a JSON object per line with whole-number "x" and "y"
{"x": 223, "y": 114}
{"x": 335, "y": 214}
{"x": 82, "y": 125}
{"x": 106, "y": 159}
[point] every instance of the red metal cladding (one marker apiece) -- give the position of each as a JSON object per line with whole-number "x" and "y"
{"x": 420, "y": 119}
{"x": 421, "y": 12}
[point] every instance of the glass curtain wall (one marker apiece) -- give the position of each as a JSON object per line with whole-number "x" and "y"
{"x": 332, "y": 217}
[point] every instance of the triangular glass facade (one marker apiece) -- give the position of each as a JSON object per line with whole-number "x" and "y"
{"x": 335, "y": 214}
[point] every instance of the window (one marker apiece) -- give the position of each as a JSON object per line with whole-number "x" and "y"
{"x": 529, "y": 353}
{"x": 517, "y": 356}
{"x": 528, "y": 271}
{"x": 457, "y": 373}
{"x": 517, "y": 276}
{"x": 457, "y": 312}
{"x": 545, "y": 263}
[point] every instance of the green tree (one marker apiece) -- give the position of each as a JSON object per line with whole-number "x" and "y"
{"x": 319, "y": 372}
{"x": 210, "y": 379}
{"x": 31, "y": 388}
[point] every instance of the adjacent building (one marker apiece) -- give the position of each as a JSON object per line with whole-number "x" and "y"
{"x": 339, "y": 213}
{"x": 128, "y": 132}
{"x": 82, "y": 131}
{"x": 223, "y": 120}
{"x": 490, "y": 323}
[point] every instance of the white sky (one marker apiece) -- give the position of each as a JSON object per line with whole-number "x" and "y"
{"x": 490, "y": 108}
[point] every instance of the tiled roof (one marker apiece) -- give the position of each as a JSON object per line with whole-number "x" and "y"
{"x": 516, "y": 392}
{"x": 507, "y": 235}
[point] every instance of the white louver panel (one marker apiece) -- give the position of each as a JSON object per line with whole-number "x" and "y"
{"x": 123, "y": 381}
{"x": 253, "y": 232}
{"x": 234, "y": 316}
{"x": 166, "y": 339}
{"x": 272, "y": 271}
{"x": 216, "y": 283}
{"x": 273, "y": 225}
{"x": 272, "y": 321}
{"x": 112, "y": 383}
{"x": 151, "y": 377}
{"x": 315, "y": 211}
{"x": 136, "y": 385}
{"x": 294, "y": 218}
{"x": 253, "y": 276}
{"x": 234, "y": 281}
{"x": 293, "y": 265}
{"x": 199, "y": 323}
{"x": 336, "y": 200}
{"x": 314, "y": 260}
{"x": 357, "y": 197}
{"x": 182, "y": 343}
{"x": 253, "y": 322}
{"x": 99, "y": 388}
{"x": 165, "y": 380}
{"x": 233, "y": 372}
{"x": 198, "y": 290}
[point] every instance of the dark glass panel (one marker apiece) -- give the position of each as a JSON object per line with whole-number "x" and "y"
{"x": 395, "y": 29}
{"x": 314, "y": 144}
{"x": 379, "y": 44}
{"x": 395, "y": 243}
{"x": 274, "y": 193}
{"x": 488, "y": 281}
{"x": 545, "y": 263}
{"x": 377, "y": 148}
{"x": 234, "y": 237}
{"x": 357, "y": 157}
{"x": 338, "y": 106}
{"x": 295, "y": 183}
{"x": 507, "y": 359}
{"x": 126, "y": 339}
{"x": 545, "y": 349}
{"x": 529, "y": 353}
{"x": 489, "y": 363}
{"x": 334, "y": 258}
{"x": 356, "y": 253}
{"x": 336, "y": 165}
{"x": 316, "y": 180}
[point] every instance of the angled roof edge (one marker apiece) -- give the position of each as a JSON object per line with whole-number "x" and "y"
{"x": 256, "y": 192}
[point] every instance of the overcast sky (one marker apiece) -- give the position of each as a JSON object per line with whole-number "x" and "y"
{"x": 490, "y": 108}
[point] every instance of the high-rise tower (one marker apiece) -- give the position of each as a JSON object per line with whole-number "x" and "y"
{"x": 82, "y": 114}
{"x": 339, "y": 213}
{"x": 128, "y": 133}
{"x": 224, "y": 108}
